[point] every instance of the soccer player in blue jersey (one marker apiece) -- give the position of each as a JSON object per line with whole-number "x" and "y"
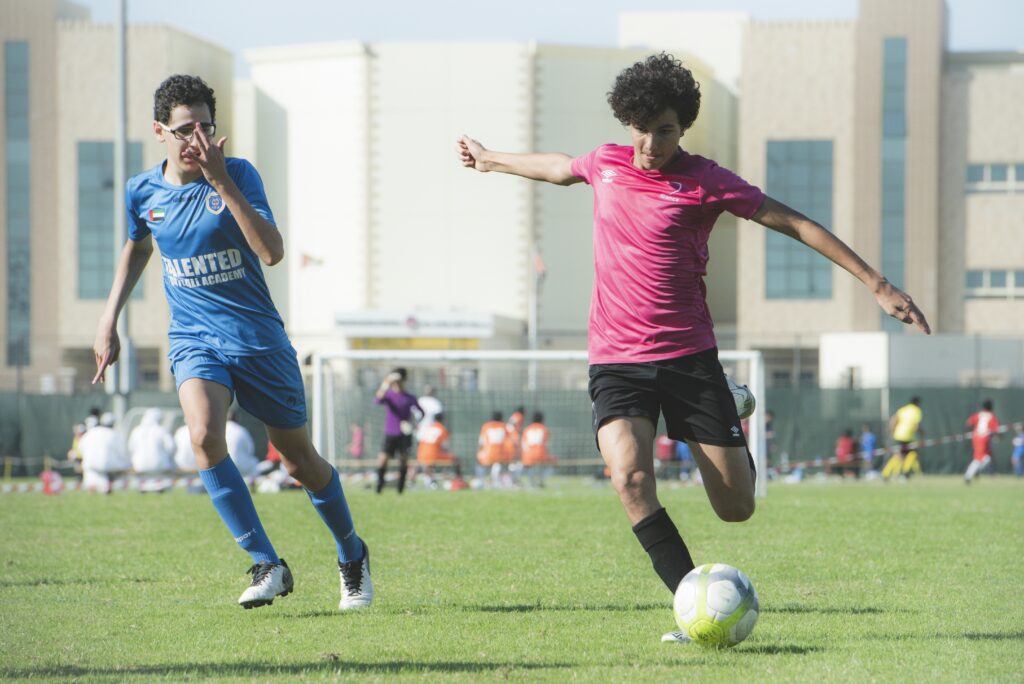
{"x": 210, "y": 217}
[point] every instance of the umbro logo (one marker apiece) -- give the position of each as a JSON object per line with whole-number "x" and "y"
{"x": 608, "y": 175}
{"x": 735, "y": 431}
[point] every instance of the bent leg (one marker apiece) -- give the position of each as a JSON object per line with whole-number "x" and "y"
{"x": 205, "y": 405}
{"x": 323, "y": 486}
{"x": 728, "y": 479}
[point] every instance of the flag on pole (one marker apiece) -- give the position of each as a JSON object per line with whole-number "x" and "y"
{"x": 310, "y": 260}
{"x": 540, "y": 270}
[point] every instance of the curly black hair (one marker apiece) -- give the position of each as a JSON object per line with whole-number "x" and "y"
{"x": 645, "y": 90}
{"x": 182, "y": 90}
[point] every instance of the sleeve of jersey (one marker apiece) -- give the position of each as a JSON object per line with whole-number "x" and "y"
{"x": 725, "y": 191}
{"x": 138, "y": 229}
{"x": 248, "y": 180}
{"x": 584, "y": 166}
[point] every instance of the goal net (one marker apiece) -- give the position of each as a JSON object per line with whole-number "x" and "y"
{"x": 472, "y": 385}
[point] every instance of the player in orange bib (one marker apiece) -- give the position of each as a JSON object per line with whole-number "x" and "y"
{"x": 984, "y": 426}
{"x": 433, "y": 450}
{"x": 493, "y": 448}
{"x": 536, "y": 456}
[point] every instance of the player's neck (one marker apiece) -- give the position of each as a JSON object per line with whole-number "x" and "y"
{"x": 176, "y": 176}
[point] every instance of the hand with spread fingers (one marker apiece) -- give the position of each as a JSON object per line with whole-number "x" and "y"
{"x": 209, "y": 156}
{"x": 900, "y": 306}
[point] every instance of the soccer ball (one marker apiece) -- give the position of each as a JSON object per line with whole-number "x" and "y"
{"x": 716, "y": 605}
{"x": 744, "y": 398}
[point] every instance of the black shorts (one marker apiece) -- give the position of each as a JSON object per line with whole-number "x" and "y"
{"x": 690, "y": 391}
{"x": 396, "y": 444}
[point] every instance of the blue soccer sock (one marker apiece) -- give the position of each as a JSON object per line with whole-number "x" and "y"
{"x": 331, "y": 505}
{"x": 230, "y": 496}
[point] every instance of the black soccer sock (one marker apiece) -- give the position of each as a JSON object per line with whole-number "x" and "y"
{"x": 380, "y": 477}
{"x": 669, "y": 555}
{"x": 403, "y": 470}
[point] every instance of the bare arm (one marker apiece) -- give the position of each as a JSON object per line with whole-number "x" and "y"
{"x": 895, "y": 302}
{"x": 263, "y": 236}
{"x": 107, "y": 345}
{"x": 553, "y": 167}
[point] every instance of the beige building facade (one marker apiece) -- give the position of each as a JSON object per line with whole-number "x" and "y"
{"x": 70, "y": 191}
{"x": 908, "y": 152}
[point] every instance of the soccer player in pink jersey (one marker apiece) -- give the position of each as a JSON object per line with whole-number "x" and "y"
{"x": 651, "y": 340}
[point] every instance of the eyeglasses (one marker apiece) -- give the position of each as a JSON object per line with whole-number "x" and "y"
{"x": 186, "y": 131}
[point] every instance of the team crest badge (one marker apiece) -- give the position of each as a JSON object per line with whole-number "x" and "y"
{"x": 214, "y": 203}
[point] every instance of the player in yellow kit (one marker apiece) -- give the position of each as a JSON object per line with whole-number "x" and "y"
{"x": 905, "y": 427}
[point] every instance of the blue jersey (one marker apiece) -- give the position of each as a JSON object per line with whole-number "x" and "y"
{"x": 868, "y": 442}
{"x": 213, "y": 280}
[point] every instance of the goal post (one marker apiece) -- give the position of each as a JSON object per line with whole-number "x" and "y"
{"x": 475, "y": 381}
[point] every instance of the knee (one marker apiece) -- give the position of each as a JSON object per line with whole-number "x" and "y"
{"x": 295, "y": 460}
{"x": 737, "y": 510}
{"x": 631, "y": 484}
{"x": 205, "y": 440}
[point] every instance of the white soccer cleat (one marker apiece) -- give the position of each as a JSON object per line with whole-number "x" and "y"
{"x": 356, "y": 585}
{"x": 269, "y": 580}
{"x": 676, "y": 638}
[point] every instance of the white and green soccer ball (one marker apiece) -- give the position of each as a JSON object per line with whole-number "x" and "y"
{"x": 744, "y": 398}
{"x": 716, "y": 605}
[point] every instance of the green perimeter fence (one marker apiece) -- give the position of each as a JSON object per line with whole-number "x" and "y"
{"x": 807, "y": 421}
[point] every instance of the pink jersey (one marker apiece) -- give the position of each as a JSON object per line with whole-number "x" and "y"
{"x": 651, "y": 232}
{"x": 984, "y": 423}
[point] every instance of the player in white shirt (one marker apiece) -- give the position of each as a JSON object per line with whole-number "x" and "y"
{"x": 241, "y": 447}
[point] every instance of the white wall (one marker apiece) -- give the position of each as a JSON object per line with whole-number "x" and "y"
{"x": 885, "y": 360}
{"x": 868, "y": 353}
{"x": 443, "y": 237}
{"x": 714, "y": 37}
{"x": 312, "y": 152}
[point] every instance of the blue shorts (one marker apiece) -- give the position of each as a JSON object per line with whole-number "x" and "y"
{"x": 269, "y": 387}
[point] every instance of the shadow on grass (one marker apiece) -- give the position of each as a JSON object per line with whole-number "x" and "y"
{"x": 270, "y": 670}
{"x": 43, "y": 582}
{"x": 994, "y": 636}
{"x": 56, "y": 582}
{"x": 832, "y": 610}
{"x": 569, "y": 607}
{"x": 777, "y": 649}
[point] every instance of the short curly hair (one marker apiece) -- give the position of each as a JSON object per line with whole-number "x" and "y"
{"x": 182, "y": 90}
{"x": 645, "y": 90}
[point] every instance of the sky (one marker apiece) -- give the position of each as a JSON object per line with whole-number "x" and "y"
{"x": 241, "y": 24}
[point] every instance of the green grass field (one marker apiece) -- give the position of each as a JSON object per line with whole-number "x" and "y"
{"x": 858, "y": 582}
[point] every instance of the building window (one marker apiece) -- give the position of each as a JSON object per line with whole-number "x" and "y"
{"x": 799, "y": 173}
{"x": 96, "y": 216}
{"x": 894, "y": 162}
{"x": 996, "y": 177}
{"x": 18, "y": 195}
{"x": 994, "y": 283}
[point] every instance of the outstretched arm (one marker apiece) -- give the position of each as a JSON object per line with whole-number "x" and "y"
{"x": 894, "y": 301}
{"x": 553, "y": 167}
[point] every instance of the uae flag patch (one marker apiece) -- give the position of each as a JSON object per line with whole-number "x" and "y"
{"x": 156, "y": 215}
